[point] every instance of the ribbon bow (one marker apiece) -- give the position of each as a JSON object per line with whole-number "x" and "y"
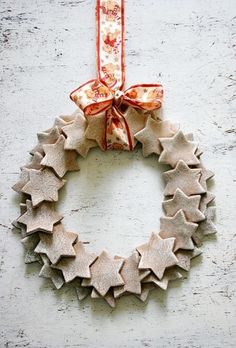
{"x": 105, "y": 95}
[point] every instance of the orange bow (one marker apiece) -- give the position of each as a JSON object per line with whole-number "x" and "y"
{"x": 94, "y": 98}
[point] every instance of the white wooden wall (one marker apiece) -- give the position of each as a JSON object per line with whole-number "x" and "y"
{"x": 47, "y": 49}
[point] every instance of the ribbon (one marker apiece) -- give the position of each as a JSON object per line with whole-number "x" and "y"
{"x": 105, "y": 94}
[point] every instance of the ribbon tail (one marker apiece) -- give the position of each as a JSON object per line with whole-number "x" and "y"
{"x": 118, "y": 136}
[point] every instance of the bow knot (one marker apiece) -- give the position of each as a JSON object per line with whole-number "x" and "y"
{"x": 95, "y": 97}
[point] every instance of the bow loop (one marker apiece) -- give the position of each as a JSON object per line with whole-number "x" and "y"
{"x": 93, "y": 97}
{"x": 144, "y": 96}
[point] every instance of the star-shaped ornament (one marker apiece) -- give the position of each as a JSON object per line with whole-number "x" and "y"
{"x": 76, "y": 139}
{"x": 206, "y": 227}
{"x": 78, "y": 266}
{"x": 184, "y": 178}
{"x": 190, "y": 137}
{"x": 178, "y": 148}
{"x": 59, "y": 159}
{"x": 43, "y": 185}
{"x": 57, "y": 245}
{"x": 151, "y": 134}
{"x": 170, "y": 274}
{"x": 136, "y": 121}
{"x": 46, "y": 137}
{"x": 82, "y": 292}
{"x": 64, "y": 120}
{"x": 157, "y": 254}
{"x": 185, "y": 256}
{"x": 179, "y": 228}
{"x": 206, "y": 199}
{"x": 189, "y": 204}
{"x": 146, "y": 288}
{"x": 24, "y": 178}
{"x": 30, "y": 243}
{"x": 96, "y": 130}
{"x": 105, "y": 273}
{"x": 109, "y": 297}
{"x": 48, "y": 272}
{"x": 206, "y": 174}
{"x": 131, "y": 275}
{"x": 35, "y": 162}
{"x": 41, "y": 218}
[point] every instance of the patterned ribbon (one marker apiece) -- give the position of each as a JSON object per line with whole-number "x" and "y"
{"x": 104, "y": 94}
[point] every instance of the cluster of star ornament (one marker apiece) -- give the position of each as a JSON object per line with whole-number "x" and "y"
{"x": 188, "y": 216}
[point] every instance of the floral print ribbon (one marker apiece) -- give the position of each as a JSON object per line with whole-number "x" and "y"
{"x": 105, "y": 94}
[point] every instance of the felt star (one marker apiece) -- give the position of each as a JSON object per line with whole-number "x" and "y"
{"x": 59, "y": 159}
{"x": 96, "y": 130}
{"x": 178, "y": 227}
{"x": 207, "y": 226}
{"x": 24, "y": 178}
{"x": 185, "y": 256}
{"x": 104, "y": 274}
{"x": 146, "y": 288}
{"x": 46, "y": 137}
{"x": 170, "y": 274}
{"x": 184, "y": 178}
{"x": 76, "y": 139}
{"x": 131, "y": 275}
{"x": 190, "y": 206}
{"x": 206, "y": 174}
{"x": 178, "y": 148}
{"x": 41, "y": 218}
{"x": 136, "y": 121}
{"x": 206, "y": 199}
{"x": 43, "y": 186}
{"x": 57, "y": 245}
{"x": 151, "y": 134}
{"x": 35, "y": 162}
{"x": 77, "y": 266}
{"x": 30, "y": 243}
{"x": 109, "y": 297}
{"x": 157, "y": 254}
{"x": 48, "y": 272}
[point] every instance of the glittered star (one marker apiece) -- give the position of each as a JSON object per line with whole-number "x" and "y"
{"x": 41, "y": 218}
{"x": 151, "y": 134}
{"x": 96, "y": 130}
{"x": 178, "y": 148}
{"x": 76, "y": 139}
{"x": 185, "y": 256}
{"x": 48, "y": 272}
{"x": 190, "y": 206}
{"x": 57, "y": 245}
{"x": 59, "y": 159}
{"x": 43, "y": 185}
{"x": 206, "y": 227}
{"x": 184, "y": 178}
{"x": 24, "y": 178}
{"x": 77, "y": 266}
{"x": 131, "y": 275}
{"x": 104, "y": 274}
{"x": 157, "y": 254}
{"x": 170, "y": 274}
{"x": 46, "y": 137}
{"x": 179, "y": 228}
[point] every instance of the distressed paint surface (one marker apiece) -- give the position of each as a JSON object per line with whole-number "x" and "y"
{"x": 47, "y": 49}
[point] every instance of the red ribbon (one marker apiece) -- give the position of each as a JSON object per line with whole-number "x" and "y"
{"x": 105, "y": 95}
